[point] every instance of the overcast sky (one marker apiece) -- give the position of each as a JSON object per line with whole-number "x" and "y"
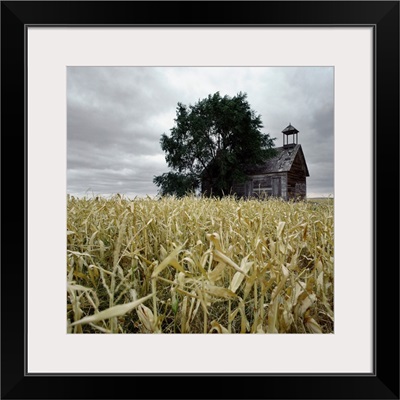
{"x": 116, "y": 116}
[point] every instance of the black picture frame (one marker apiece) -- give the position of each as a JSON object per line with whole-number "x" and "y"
{"x": 383, "y": 383}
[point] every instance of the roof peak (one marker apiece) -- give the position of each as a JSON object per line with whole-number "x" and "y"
{"x": 290, "y": 129}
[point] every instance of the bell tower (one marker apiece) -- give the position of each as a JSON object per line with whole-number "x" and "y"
{"x": 290, "y": 131}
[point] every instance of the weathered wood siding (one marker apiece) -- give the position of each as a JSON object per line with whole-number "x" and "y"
{"x": 243, "y": 189}
{"x": 263, "y": 185}
{"x": 296, "y": 184}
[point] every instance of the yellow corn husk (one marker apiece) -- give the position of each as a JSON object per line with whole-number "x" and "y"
{"x": 239, "y": 276}
{"x": 218, "y": 256}
{"x": 115, "y": 311}
{"x": 220, "y": 291}
{"x": 215, "y": 326}
{"x": 170, "y": 260}
{"x": 146, "y": 316}
{"x": 311, "y": 324}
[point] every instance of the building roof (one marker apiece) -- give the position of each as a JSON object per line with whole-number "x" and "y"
{"x": 281, "y": 162}
{"x": 290, "y": 130}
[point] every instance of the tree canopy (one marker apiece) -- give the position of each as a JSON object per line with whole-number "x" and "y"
{"x": 211, "y": 144}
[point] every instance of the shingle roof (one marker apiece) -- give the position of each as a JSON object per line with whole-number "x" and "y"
{"x": 281, "y": 162}
{"x": 290, "y": 129}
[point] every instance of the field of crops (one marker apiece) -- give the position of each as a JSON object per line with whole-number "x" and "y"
{"x": 199, "y": 265}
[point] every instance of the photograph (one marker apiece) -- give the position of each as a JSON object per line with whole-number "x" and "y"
{"x": 209, "y": 199}
{"x": 194, "y": 205}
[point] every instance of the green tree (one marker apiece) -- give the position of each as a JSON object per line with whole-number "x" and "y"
{"x": 211, "y": 144}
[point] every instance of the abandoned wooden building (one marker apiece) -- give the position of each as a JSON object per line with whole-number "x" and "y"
{"x": 284, "y": 175}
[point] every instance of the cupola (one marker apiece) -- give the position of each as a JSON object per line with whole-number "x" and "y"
{"x": 290, "y": 131}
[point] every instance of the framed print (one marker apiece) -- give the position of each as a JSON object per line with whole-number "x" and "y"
{"x": 140, "y": 274}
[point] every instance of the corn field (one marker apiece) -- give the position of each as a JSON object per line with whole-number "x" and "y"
{"x": 199, "y": 265}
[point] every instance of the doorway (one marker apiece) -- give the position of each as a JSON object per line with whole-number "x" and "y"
{"x": 276, "y": 187}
